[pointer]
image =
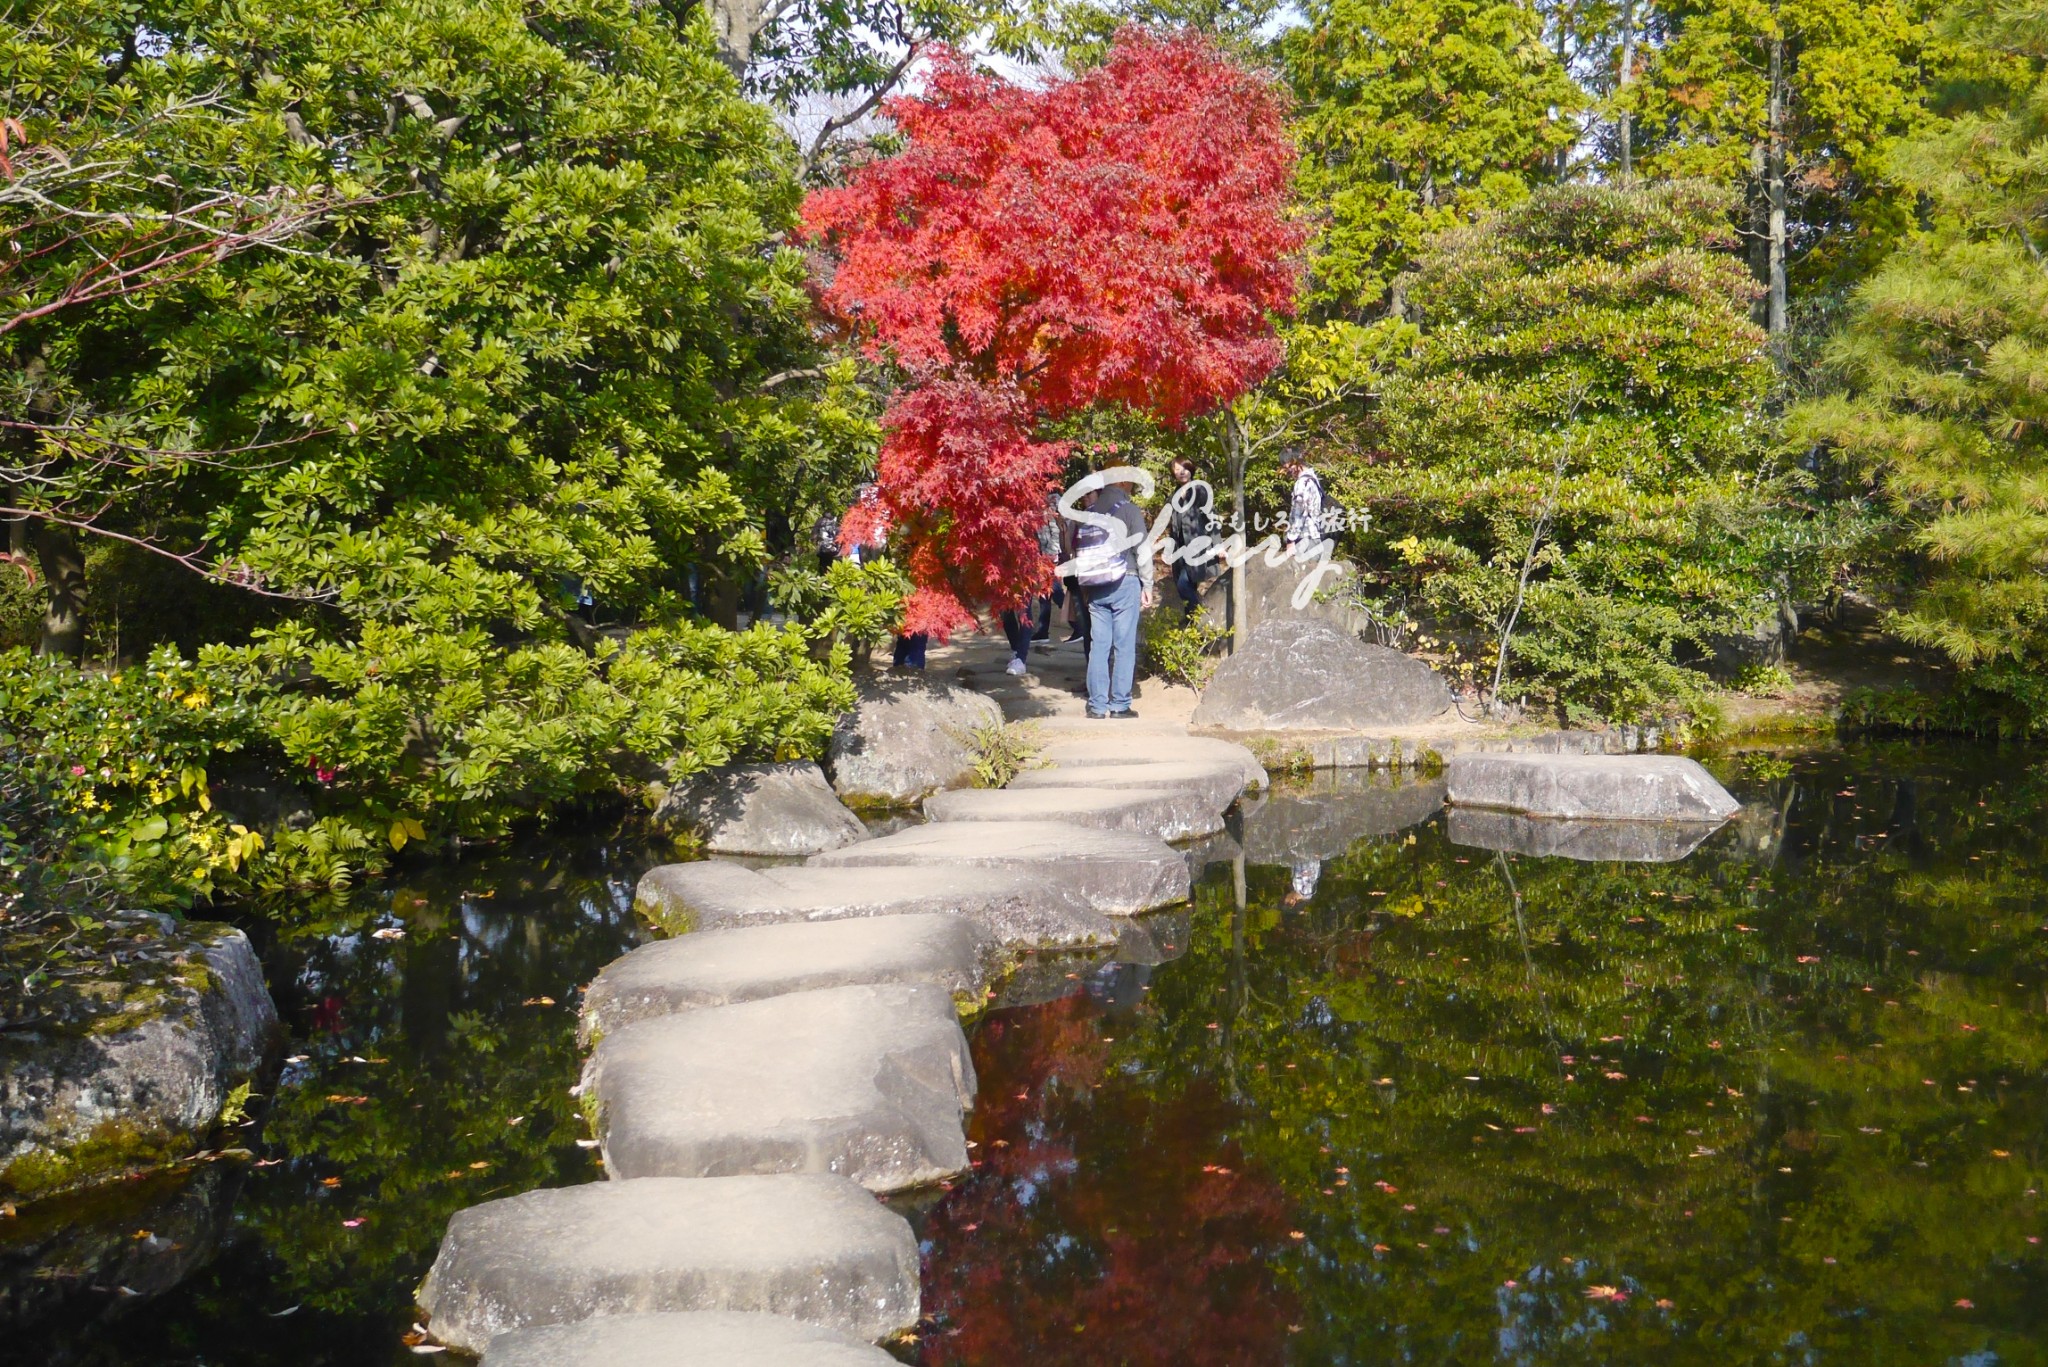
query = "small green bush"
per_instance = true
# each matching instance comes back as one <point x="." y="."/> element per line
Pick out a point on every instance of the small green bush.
<point x="1003" y="750"/>
<point x="1182" y="652"/>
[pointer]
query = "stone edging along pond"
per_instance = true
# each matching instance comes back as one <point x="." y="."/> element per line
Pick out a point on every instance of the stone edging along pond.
<point x="796" y="1051"/>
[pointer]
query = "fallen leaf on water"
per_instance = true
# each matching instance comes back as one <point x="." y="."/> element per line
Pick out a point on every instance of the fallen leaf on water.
<point x="1605" y="1293"/>
<point x="356" y="1223"/>
<point x="2000" y="1153"/>
<point x="538" y="1001"/>
<point x="330" y="1181"/>
<point x="1296" y="1234"/>
<point x="388" y="933"/>
<point x="1965" y="1303"/>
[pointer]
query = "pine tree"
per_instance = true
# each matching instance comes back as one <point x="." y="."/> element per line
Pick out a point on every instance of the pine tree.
<point x="1945" y="365"/>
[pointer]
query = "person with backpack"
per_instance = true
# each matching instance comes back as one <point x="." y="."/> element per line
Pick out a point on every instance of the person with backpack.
<point x="1118" y="583"/>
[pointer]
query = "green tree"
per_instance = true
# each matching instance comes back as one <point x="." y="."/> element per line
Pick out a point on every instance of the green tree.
<point x="1572" y="470"/>
<point x="1793" y="102"/>
<point x="1944" y="365"/>
<point x="1414" y="118"/>
<point x="472" y="434"/>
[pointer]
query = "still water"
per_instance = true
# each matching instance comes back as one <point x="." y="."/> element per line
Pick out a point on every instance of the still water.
<point x="1399" y="1097"/>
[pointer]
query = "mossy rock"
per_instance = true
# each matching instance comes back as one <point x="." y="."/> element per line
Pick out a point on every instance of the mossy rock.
<point x="124" y="1057"/>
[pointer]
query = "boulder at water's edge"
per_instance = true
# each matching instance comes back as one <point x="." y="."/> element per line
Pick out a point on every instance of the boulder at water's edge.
<point x="1301" y="674"/>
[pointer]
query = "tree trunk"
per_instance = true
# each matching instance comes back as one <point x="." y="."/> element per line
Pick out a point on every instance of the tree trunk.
<point x="1774" y="193"/>
<point x="63" y="564"/>
<point x="1625" y="123"/>
<point x="1240" y="606"/>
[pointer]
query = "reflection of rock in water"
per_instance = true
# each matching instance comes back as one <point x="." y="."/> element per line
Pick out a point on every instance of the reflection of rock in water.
<point x="1220" y="848"/>
<point x="1156" y="939"/>
<point x="65" y="1263"/>
<point x="1634" y="842"/>
<point x="1046" y="977"/>
<point x="1326" y="815"/>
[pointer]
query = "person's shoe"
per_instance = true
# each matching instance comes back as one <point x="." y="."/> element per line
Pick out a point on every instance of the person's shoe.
<point x="1073" y="638"/>
<point x="1015" y="666"/>
<point x="1045" y="635"/>
<point x="1093" y="715"/>
<point x="1126" y="715"/>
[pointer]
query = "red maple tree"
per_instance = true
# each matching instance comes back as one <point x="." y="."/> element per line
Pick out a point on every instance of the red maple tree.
<point x="1121" y="237"/>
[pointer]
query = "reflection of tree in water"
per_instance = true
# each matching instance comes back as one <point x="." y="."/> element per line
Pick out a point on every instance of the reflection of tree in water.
<point x="1785" y="1098"/>
<point x="436" y="1073"/>
<point x="1156" y="1246"/>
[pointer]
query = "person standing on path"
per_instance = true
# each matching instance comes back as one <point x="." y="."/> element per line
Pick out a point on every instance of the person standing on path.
<point x="1193" y="524"/>
<point x="1118" y="583"/>
<point x="1033" y="620"/>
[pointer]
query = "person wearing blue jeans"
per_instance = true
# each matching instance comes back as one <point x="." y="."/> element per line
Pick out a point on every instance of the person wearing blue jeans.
<point x="1119" y="585"/>
<point x="1113" y="646"/>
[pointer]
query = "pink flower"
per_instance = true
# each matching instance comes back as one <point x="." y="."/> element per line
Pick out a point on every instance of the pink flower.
<point x="78" y="771"/>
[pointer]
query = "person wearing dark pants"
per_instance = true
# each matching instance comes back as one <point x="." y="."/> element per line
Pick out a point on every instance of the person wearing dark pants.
<point x="909" y="652"/>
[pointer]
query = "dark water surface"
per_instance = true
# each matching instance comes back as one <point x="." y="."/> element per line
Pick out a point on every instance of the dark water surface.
<point x="1780" y="1102"/>
<point x="1399" y="1100"/>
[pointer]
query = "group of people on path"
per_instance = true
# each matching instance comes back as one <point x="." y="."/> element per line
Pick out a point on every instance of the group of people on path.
<point x="1111" y="584"/>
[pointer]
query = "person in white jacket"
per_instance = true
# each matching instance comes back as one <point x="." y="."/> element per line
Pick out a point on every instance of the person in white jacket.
<point x="1305" y="509"/>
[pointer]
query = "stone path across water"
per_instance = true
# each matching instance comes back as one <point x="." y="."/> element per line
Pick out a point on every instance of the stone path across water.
<point x="868" y="1081"/>
<point x="799" y="1041"/>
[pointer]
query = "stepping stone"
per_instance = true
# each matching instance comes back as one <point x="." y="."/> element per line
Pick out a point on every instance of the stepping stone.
<point x="1616" y="842"/>
<point x="1120" y="748"/>
<point x="1590" y="787"/>
<point x="721" y="967"/>
<point x="1116" y="872"/>
<point x="868" y="1082"/>
<point x="708" y="1338"/>
<point x="1306" y="675"/>
<point x="813" y="1248"/>
<point x="1165" y="814"/>
<point x="1020" y="910"/>
<point x="1215" y="783"/>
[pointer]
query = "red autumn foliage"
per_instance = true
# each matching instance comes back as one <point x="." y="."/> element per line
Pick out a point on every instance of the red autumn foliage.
<point x="940" y="438"/>
<point x="1145" y="1253"/>
<point x="1120" y="237"/>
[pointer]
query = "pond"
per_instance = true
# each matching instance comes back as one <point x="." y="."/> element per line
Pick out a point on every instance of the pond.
<point x="1397" y="1098"/>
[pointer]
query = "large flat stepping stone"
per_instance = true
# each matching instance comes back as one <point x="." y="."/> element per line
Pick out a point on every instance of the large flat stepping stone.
<point x="1117" y="873"/>
<point x="1216" y="783"/>
<point x="707" y="1338"/>
<point x="1590" y="787"/>
<point x="762" y="809"/>
<point x="1116" y="747"/>
<point x="814" y="1248"/>
<point x="1604" y="842"/>
<point x="1017" y="908"/>
<point x="868" y="1082"/>
<point x="1163" y="813"/>
<point x="721" y="967"/>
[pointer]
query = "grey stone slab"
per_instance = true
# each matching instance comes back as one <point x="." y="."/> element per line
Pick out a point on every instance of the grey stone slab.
<point x="907" y="736"/>
<point x="1118" y="747"/>
<point x="1116" y="872"/>
<point x="1214" y="783"/>
<point x="814" y="1248"/>
<point x="1324" y="817"/>
<point x="1019" y="909"/>
<point x="867" y="1082"/>
<point x="1163" y="813"/>
<point x="1303" y="674"/>
<point x="762" y="809"/>
<point x="1623" y="842"/>
<point x="708" y="1338"/>
<point x="1599" y="788"/>
<point x="721" y="967"/>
